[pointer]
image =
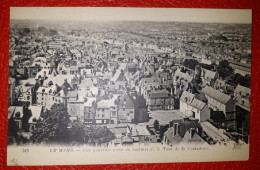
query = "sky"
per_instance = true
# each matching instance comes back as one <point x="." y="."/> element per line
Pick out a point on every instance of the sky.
<point x="132" y="14"/>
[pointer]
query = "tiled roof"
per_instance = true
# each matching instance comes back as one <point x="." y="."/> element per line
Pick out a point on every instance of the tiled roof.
<point x="104" y="104"/>
<point x="178" y="74"/>
<point x="217" y="95"/>
<point x="209" y="74"/>
<point x="187" y="97"/>
<point x="243" y="90"/>
<point x="159" y="94"/>
<point x="197" y="104"/>
<point x="15" y="109"/>
<point x="72" y="94"/>
<point x="188" y="137"/>
<point x="126" y="101"/>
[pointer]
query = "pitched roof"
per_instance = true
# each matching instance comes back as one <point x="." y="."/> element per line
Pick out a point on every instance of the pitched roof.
<point x="159" y="94"/>
<point x="171" y="138"/>
<point x="197" y="104"/>
<point x="217" y="95"/>
<point x="126" y="100"/>
<point x="187" y="97"/>
<point x="104" y="104"/>
<point x="86" y="83"/>
<point x="185" y="125"/>
<point x="209" y="74"/>
<point x="213" y="132"/>
<point x="89" y="101"/>
<point x="12" y="110"/>
<point x="72" y="94"/>
<point x="36" y="113"/>
<point x="189" y="137"/>
<point x="178" y="74"/>
<point x="11" y="80"/>
<point x="243" y="90"/>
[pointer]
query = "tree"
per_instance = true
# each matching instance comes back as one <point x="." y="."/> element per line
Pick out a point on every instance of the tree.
<point x="53" y="128"/>
<point x="99" y="134"/>
<point x="190" y="63"/>
<point x="237" y="78"/>
<point x="77" y="133"/>
<point x="156" y="125"/>
<point x="224" y="70"/>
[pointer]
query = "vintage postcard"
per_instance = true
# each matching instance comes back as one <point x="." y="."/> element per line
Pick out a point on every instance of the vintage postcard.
<point x="128" y="85"/>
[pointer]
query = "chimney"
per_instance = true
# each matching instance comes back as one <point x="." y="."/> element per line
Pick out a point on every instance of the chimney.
<point x="176" y="129"/>
<point x="192" y="132"/>
<point x="172" y="91"/>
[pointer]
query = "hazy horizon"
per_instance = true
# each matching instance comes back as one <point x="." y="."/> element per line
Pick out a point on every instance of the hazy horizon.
<point x="110" y="14"/>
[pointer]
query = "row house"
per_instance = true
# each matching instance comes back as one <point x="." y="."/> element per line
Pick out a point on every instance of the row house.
<point x="26" y="93"/>
<point x="160" y="100"/>
<point x="192" y="107"/>
<point x="219" y="101"/>
<point x="11" y="91"/>
<point x="90" y="110"/>
<point x="36" y="112"/>
<point x="208" y="77"/>
<point x="75" y="105"/>
<point x="242" y="97"/>
<point x="47" y="96"/>
<point x="181" y="82"/>
<point x="240" y="68"/>
<point x="183" y="131"/>
<point x="106" y="112"/>
<point x="125" y="108"/>
<point x="146" y="85"/>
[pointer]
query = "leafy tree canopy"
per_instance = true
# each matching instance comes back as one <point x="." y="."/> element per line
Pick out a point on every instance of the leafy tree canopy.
<point x="224" y="70"/>
<point x="53" y="128"/>
<point x="190" y="63"/>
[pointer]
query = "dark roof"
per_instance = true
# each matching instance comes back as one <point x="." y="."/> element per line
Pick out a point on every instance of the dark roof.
<point x="184" y="125"/>
<point x="159" y="94"/>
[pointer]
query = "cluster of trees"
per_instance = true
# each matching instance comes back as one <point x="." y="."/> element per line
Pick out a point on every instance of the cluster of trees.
<point x="47" y="32"/>
<point x="191" y="63"/>
<point x="54" y="129"/>
<point x="236" y="79"/>
<point x="25" y="32"/>
<point x="218" y="38"/>
<point x="224" y="70"/>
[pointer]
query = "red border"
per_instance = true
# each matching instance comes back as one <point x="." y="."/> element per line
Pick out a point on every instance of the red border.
<point x="254" y="160"/>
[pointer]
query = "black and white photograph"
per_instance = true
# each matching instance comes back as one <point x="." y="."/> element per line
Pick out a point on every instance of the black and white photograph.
<point x="128" y="82"/>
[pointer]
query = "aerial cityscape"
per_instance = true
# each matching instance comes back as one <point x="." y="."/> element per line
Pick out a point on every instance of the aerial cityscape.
<point x="128" y="82"/>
